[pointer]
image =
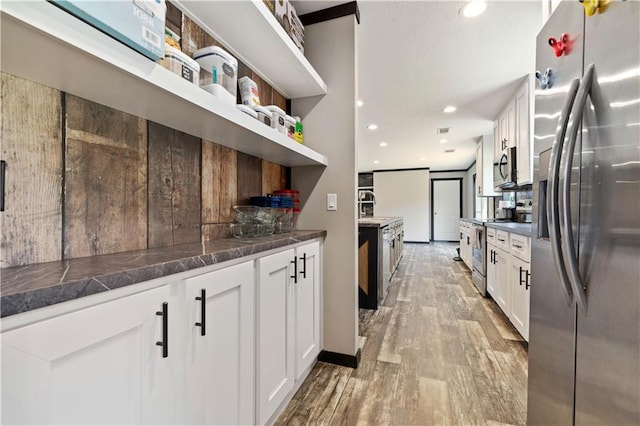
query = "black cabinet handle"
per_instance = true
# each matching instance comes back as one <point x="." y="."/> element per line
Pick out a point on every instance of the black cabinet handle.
<point x="520" y="275"/>
<point x="295" y="269"/>
<point x="304" y="265"/>
<point x="461" y="235"/>
<point x="527" y="283"/>
<point x="203" y="312"/>
<point x="517" y="246"/>
<point x="3" y="168"/>
<point x="164" y="313"/>
<point x="468" y="240"/>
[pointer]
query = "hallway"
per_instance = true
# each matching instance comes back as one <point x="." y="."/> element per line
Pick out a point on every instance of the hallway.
<point x="436" y="353"/>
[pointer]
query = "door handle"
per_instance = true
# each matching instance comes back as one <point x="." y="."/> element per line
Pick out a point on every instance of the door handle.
<point x="203" y="312"/>
<point x="520" y="275"/>
<point x="164" y="313"/>
<point x="552" y="191"/>
<point x="295" y="269"/>
<point x="566" y="227"/>
<point x="527" y="283"/>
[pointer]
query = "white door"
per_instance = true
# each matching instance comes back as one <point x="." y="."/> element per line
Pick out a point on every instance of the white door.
<point x="502" y="294"/>
<point x="307" y="307"/>
<point x="220" y="348"/>
<point x="98" y="365"/>
<point x="275" y="332"/>
<point x="446" y="209"/>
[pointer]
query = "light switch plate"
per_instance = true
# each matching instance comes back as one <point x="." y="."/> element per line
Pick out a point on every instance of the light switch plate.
<point x="332" y="202"/>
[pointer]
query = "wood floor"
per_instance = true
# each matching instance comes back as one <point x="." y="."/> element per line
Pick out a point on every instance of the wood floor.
<point x="436" y="353"/>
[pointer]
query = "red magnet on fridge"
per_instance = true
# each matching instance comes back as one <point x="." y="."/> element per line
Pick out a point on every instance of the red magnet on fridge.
<point x="562" y="46"/>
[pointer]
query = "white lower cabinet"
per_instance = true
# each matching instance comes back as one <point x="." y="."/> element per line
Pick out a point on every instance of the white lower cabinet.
<point x="492" y="277"/>
<point x="498" y="278"/>
<point x="288" y="325"/>
<point x="97" y="365"/>
<point x="219" y="361"/>
<point x="520" y="278"/>
<point x="214" y="346"/>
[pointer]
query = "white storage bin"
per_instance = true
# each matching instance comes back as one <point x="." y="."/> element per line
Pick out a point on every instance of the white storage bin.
<point x="290" y="124"/>
<point x="247" y="110"/>
<point x="278" y="119"/>
<point x="249" y="93"/>
<point x="219" y="72"/>
<point x="179" y="63"/>
<point x="264" y="115"/>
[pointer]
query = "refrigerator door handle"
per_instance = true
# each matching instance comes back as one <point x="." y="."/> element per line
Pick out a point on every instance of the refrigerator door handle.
<point x="553" y="191"/>
<point x="568" y="248"/>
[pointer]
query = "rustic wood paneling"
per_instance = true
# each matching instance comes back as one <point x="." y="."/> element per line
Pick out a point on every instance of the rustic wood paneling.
<point x="211" y="181"/>
<point x="105" y="180"/>
<point x="31" y="136"/>
<point x="271" y="177"/>
<point x="228" y="183"/>
<point x="363" y="267"/>
<point x="194" y="37"/>
<point x="174" y="187"/>
<point x="174" y="19"/>
<point x="249" y="177"/>
<point x="279" y="100"/>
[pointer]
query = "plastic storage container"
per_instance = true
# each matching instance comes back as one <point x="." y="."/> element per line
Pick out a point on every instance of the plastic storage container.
<point x="247" y="110"/>
<point x="264" y="115"/>
<point x="299" y="134"/>
<point x="218" y="72"/>
<point x="249" y="93"/>
<point x="179" y="63"/>
<point x="278" y="119"/>
<point x="290" y="124"/>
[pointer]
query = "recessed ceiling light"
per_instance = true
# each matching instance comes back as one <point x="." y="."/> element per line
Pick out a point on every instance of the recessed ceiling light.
<point x="375" y="162"/>
<point x="372" y="126"/>
<point x="422" y="159"/>
<point x="443" y="141"/>
<point x="359" y="103"/>
<point x="383" y="144"/>
<point x="473" y="8"/>
<point x="450" y="109"/>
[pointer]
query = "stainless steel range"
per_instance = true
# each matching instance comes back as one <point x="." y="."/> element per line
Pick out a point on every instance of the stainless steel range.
<point x="479" y="263"/>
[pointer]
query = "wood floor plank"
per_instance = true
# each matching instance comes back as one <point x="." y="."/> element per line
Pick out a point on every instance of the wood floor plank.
<point x="431" y="355"/>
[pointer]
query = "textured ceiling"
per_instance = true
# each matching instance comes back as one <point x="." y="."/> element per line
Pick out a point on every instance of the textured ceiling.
<point x="416" y="57"/>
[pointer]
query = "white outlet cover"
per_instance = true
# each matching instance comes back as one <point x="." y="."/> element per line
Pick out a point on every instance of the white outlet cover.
<point x="332" y="202"/>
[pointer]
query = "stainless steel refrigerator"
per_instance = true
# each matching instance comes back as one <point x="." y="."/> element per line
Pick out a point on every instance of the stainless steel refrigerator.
<point x="584" y="339"/>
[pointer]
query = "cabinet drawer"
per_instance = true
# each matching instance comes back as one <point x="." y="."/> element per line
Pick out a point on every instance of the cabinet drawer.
<point x="502" y="239"/>
<point x="491" y="236"/>
<point x="520" y="247"/>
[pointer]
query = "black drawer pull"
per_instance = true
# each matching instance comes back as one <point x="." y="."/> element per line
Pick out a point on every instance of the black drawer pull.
<point x="203" y="312"/>
<point x="164" y="313"/>
<point x="3" y="168"/>
<point x="527" y="283"/>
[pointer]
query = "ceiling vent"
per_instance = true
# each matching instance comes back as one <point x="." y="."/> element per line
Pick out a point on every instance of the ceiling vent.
<point x="443" y="130"/>
<point x="449" y="150"/>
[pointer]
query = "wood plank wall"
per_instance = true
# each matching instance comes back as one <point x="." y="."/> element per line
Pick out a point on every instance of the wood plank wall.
<point x="83" y="179"/>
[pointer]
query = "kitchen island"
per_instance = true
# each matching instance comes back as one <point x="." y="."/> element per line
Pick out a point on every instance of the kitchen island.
<point x="380" y="243"/>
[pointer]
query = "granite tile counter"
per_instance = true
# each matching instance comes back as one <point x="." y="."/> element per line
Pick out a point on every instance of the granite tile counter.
<point x="24" y="288"/>
<point x="377" y="222"/>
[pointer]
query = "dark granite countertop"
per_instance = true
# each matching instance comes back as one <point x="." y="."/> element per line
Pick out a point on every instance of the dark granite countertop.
<point x="377" y="222"/>
<point x="24" y="288"/>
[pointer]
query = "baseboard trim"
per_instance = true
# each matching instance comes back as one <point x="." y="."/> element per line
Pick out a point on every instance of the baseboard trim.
<point x="344" y="360"/>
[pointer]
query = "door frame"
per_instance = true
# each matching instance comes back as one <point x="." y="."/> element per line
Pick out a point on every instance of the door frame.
<point x="431" y="205"/>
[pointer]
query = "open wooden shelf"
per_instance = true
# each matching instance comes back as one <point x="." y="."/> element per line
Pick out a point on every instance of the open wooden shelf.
<point x="45" y="44"/>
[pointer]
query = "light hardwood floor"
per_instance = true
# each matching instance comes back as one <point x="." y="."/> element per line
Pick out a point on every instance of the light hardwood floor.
<point x="436" y="353"/>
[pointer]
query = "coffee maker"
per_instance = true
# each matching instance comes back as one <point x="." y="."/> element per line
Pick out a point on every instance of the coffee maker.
<point x="524" y="210"/>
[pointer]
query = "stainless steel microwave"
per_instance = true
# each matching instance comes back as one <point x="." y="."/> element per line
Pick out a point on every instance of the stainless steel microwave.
<point x="504" y="169"/>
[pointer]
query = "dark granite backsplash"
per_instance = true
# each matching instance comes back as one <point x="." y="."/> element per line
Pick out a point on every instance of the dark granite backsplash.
<point x="25" y="288"/>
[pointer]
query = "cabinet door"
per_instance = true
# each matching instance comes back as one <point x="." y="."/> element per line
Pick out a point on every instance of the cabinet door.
<point x="219" y="369"/>
<point x="275" y="331"/>
<point x="479" y="170"/>
<point x="502" y="288"/>
<point x="510" y="113"/>
<point x="491" y="271"/>
<point x="98" y="365"/>
<point x="307" y="307"/>
<point x="497" y="137"/>
<point x="524" y="153"/>
<point x="519" y="283"/>
<point x="503" y="122"/>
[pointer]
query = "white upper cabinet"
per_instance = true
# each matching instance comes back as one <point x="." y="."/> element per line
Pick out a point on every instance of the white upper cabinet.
<point x="524" y="132"/>
<point x="484" y="167"/>
<point x="42" y="43"/>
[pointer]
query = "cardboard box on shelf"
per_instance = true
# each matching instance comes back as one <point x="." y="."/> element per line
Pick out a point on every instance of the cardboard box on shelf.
<point x="286" y="14"/>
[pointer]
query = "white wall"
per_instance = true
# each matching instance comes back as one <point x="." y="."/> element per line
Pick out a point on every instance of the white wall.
<point x="405" y="194"/>
<point x="330" y="128"/>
